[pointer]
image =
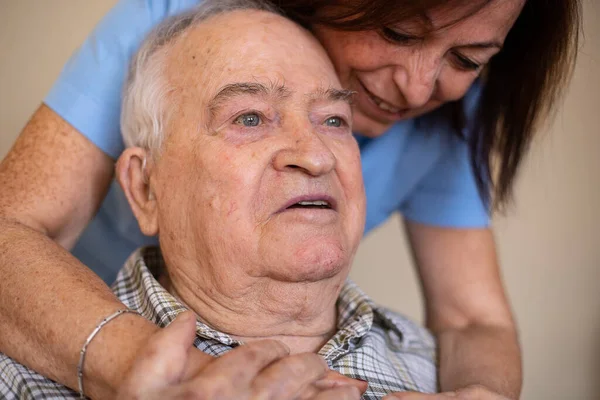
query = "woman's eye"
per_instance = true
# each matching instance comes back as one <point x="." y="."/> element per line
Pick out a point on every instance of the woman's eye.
<point x="465" y="63"/>
<point x="335" y="122"/>
<point x="398" y="37"/>
<point x="249" y="120"/>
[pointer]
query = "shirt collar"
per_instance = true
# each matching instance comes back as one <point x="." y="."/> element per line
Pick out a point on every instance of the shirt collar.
<point x="140" y="272"/>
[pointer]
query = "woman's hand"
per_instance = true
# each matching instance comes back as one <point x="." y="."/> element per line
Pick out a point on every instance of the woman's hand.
<point x="261" y="369"/>
<point x="473" y="392"/>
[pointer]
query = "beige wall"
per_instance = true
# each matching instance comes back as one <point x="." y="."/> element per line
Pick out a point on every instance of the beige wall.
<point x="548" y="243"/>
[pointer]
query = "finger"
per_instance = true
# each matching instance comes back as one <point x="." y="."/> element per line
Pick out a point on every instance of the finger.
<point x="163" y="360"/>
<point x="419" y="396"/>
<point x="476" y="392"/>
<point x="241" y="365"/>
<point x="340" y="393"/>
<point x="196" y="361"/>
<point x="288" y="377"/>
<point x="334" y="379"/>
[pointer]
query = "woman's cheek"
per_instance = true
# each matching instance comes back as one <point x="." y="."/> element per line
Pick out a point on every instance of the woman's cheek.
<point x="453" y="85"/>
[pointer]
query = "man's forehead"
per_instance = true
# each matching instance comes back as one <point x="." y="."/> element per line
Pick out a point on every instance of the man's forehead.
<point x="217" y="62"/>
<point x="239" y="37"/>
<point x="235" y="30"/>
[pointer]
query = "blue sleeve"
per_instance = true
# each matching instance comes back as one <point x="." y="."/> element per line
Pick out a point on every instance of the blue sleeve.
<point x="448" y="195"/>
<point x="87" y="93"/>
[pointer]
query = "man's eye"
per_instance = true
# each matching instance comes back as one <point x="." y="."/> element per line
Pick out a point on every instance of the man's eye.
<point x="335" y="122"/>
<point x="249" y="120"/>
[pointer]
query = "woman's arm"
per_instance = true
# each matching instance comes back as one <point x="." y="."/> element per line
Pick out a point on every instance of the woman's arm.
<point x="52" y="182"/>
<point x="467" y="309"/>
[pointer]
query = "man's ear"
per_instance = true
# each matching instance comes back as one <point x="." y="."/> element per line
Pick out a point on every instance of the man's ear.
<point x="133" y="175"/>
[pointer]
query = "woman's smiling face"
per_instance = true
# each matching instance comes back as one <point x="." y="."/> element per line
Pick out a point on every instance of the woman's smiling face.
<point x="411" y="68"/>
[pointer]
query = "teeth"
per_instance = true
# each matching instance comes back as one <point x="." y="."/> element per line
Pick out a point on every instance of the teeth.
<point x="383" y="105"/>
<point x="313" y="203"/>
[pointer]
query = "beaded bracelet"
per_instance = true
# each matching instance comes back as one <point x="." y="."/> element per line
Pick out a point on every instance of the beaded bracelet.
<point x="89" y="339"/>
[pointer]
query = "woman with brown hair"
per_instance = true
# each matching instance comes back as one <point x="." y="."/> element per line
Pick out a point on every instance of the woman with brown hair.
<point x="448" y="97"/>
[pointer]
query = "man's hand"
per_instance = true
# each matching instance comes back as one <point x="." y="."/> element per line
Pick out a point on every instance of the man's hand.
<point x="473" y="392"/>
<point x="260" y="370"/>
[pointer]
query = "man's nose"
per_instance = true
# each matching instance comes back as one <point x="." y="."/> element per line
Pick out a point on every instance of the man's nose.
<point x="306" y="152"/>
<point x="416" y="80"/>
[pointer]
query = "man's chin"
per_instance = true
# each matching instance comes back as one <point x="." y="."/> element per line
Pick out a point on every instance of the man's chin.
<point x="312" y="261"/>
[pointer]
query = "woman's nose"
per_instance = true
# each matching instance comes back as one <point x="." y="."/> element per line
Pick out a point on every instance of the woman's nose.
<point x="306" y="152"/>
<point x="416" y="80"/>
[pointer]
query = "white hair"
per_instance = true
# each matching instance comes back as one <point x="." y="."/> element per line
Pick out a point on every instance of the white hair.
<point x="144" y="111"/>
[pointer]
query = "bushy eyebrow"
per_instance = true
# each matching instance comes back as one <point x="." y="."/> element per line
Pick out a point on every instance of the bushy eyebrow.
<point x="278" y="91"/>
<point x="332" y="94"/>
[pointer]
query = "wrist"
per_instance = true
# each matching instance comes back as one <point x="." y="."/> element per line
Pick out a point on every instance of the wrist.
<point x="111" y="353"/>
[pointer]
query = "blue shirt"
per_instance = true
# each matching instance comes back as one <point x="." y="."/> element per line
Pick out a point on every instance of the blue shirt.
<point x="419" y="167"/>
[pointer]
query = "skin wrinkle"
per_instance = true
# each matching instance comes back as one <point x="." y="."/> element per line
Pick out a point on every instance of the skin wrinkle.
<point x="246" y="269"/>
<point x="276" y="91"/>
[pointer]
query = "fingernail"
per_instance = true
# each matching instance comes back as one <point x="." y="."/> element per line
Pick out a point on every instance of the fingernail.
<point x="365" y="385"/>
<point x="325" y="384"/>
<point x="185" y="315"/>
<point x="355" y="392"/>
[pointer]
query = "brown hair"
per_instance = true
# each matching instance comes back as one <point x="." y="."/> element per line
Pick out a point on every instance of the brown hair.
<point x="521" y="84"/>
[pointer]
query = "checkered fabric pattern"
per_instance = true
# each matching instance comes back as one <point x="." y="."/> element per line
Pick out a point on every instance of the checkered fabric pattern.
<point x="372" y="343"/>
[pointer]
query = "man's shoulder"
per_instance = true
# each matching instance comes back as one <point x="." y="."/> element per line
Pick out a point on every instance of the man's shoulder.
<point x="19" y="382"/>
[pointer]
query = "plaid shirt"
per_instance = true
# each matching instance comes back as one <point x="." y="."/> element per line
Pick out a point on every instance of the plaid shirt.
<point x="372" y="343"/>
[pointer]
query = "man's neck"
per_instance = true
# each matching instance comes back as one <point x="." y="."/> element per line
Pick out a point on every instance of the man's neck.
<point x="301" y="315"/>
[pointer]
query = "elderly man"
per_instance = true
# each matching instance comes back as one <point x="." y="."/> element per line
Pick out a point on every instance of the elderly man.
<point x="241" y="159"/>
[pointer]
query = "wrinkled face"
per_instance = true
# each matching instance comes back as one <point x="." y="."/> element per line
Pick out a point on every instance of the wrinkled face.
<point x="260" y="172"/>
<point x="409" y="69"/>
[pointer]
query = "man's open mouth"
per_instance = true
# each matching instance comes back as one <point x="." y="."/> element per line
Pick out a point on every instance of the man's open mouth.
<point x="319" y="204"/>
<point x="310" y="202"/>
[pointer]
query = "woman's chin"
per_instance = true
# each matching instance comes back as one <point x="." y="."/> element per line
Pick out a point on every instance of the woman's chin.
<point x="368" y="127"/>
